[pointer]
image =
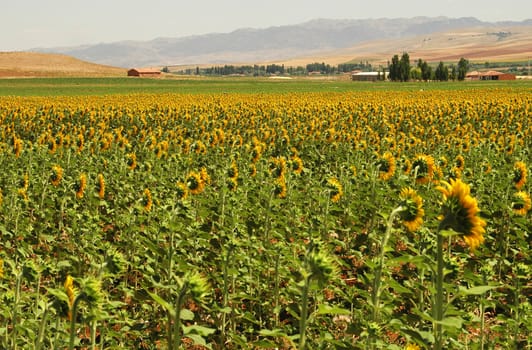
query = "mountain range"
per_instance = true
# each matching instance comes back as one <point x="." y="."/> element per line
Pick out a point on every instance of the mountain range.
<point x="281" y="43"/>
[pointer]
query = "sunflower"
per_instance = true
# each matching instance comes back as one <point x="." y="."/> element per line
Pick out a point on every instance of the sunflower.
<point x="57" y="175"/>
<point x="194" y="183"/>
<point x="148" y="202"/>
<point x="460" y="212"/>
<point x="233" y="170"/>
<point x="413" y="213"/>
<point x="423" y="168"/>
<point x="80" y="190"/>
<point x="520" y="173"/>
<point x="232" y="183"/>
<point x="181" y="190"/>
<point x="252" y="170"/>
<point x="386" y="166"/>
<point x="101" y="186"/>
<point x="459" y="162"/>
<point x="412" y="347"/>
<point x="336" y="190"/>
<point x="522" y="203"/>
<point x="280" y="187"/>
<point x="278" y="166"/>
<point x="205" y="176"/>
<point x="71" y="293"/>
<point x="132" y="161"/>
<point x="1" y="268"/>
<point x="297" y="165"/>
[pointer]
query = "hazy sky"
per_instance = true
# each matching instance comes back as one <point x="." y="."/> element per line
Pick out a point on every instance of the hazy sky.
<point x="26" y="24"/>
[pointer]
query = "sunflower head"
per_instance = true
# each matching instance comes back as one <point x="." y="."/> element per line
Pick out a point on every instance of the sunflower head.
<point x="386" y="166"/>
<point x="194" y="183"/>
<point x="80" y="187"/>
<point x="522" y="203"/>
<point x="460" y="212"/>
<point x="181" y="190"/>
<point x="519" y="174"/>
<point x="423" y="168"/>
<point x="57" y="175"/>
<point x="280" y="187"/>
<point x="100" y="188"/>
<point x="412" y="215"/>
<point x="147" y="200"/>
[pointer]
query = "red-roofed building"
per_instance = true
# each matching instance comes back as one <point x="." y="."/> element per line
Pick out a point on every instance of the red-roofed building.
<point x="143" y="72"/>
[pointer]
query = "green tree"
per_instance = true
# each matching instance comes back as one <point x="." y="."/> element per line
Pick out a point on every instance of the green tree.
<point x="463" y="67"/>
<point x="404" y="67"/>
<point x="426" y="70"/>
<point x="395" y="70"/>
<point x="442" y="72"/>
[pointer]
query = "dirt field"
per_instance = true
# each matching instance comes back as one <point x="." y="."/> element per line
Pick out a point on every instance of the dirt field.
<point x="32" y="64"/>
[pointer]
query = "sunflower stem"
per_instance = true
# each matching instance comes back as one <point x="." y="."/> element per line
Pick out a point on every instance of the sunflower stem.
<point x="375" y="293"/>
<point x="438" y="309"/>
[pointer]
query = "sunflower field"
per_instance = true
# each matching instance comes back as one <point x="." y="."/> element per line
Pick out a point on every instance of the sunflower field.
<point x="367" y="220"/>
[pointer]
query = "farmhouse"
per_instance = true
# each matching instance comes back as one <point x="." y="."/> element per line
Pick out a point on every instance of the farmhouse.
<point x="494" y="75"/>
<point x="489" y="75"/>
<point x="366" y="76"/>
<point x="143" y="72"/>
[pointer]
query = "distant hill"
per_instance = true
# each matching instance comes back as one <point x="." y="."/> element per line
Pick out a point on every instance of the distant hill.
<point x="270" y="44"/>
<point x="34" y="64"/>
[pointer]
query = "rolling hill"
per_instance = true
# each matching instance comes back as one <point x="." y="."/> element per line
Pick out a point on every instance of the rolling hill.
<point x="34" y="64"/>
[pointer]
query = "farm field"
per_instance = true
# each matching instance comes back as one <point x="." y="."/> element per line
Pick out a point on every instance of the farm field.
<point x="256" y="214"/>
<point x="109" y="86"/>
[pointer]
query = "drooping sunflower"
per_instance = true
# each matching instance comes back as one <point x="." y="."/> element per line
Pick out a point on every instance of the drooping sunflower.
<point x="460" y="212"/>
<point x="413" y="213"/>
<point x="278" y="166"/>
<point x="519" y="174"/>
<point x="521" y="203"/>
<point x="71" y="293"/>
<point x="80" y="187"/>
<point x="386" y="166"/>
<point x="57" y="175"/>
<point x="100" y="187"/>
<point x="336" y="189"/>
<point x="1" y="268"/>
<point x="423" y="168"/>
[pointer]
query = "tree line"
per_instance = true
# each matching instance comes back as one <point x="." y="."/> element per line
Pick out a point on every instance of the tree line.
<point x="276" y="69"/>
<point x="400" y="69"/>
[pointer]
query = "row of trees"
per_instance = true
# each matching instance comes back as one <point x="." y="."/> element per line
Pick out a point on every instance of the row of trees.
<point x="272" y="69"/>
<point x="400" y="70"/>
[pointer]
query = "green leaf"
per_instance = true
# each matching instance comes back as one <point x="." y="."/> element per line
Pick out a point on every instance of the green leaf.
<point x="448" y="233"/>
<point x="265" y="344"/>
<point x="198" y="340"/>
<point x="455" y="322"/>
<point x="186" y="315"/>
<point x="196" y="329"/>
<point x="163" y="303"/>
<point x="324" y="309"/>
<point x="272" y="333"/>
<point x="476" y="290"/>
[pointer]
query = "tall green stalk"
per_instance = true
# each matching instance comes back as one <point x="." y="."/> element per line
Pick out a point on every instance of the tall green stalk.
<point x="304" y="313"/>
<point x="438" y="307"/>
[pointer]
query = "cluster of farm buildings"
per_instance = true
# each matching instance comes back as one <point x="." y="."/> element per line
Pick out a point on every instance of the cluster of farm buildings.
<point x="489" y="75"/>
<point x="356" y="76"/>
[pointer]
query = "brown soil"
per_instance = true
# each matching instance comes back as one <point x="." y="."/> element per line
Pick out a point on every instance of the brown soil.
<point x="33" y="64"/>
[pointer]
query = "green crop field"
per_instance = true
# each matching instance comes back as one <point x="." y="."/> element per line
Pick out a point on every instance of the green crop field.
<point x="105" y="86"/>
<point x="239" y="213"/>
